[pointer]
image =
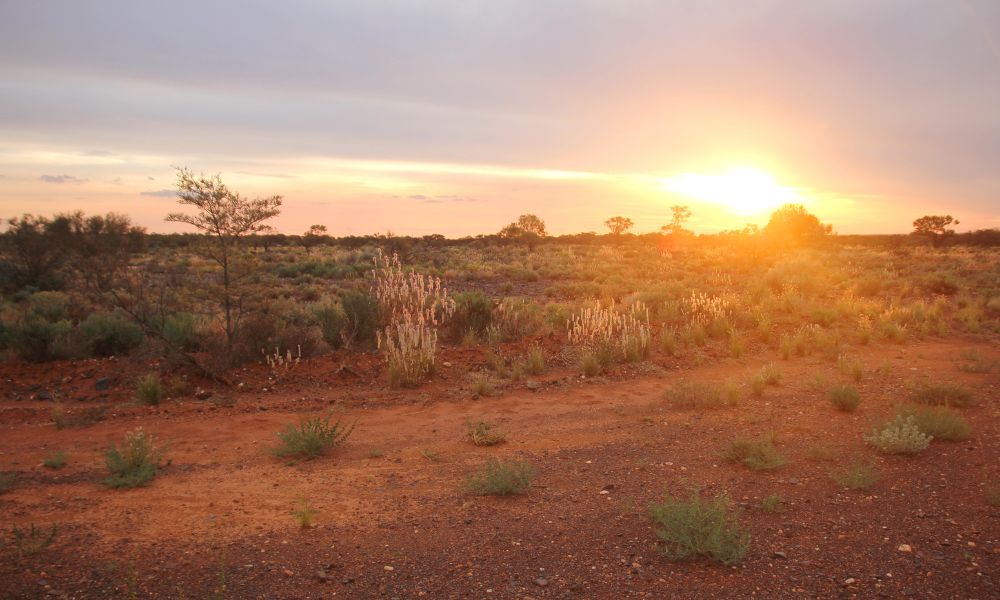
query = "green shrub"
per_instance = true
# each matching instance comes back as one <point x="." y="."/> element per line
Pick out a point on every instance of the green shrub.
<point x="534" y="363"/>
<point x="482" y="433"/>
<point x="109" y="334"/>
<point x="37" y="340"/>
<point x="361" y="314"/>
<point x="135" y="463"/>
<point x="844" y="397"/>
<point x="304" y="513"/>
<point x="501" y="477"/>
<point x="758" y="455"/>
<point x="699" y="528"/>
<point x="898" y="436"/>
<point x="7" y="481"/>
<point x="938" y="422"/>
<point x="943" y="394"/>
<point x="772" y="504"/>
<point x="312" y="438"/>
<point x="473" y="313"/>
<point x="696" y="395"/>
<point x="55" y="460"/>
<point x="332" y="322"/>
<point x="180" y="330"/>
<point x="148" y="389"/>
<point x="856" y="476"/>
<point x="49" y="306"/>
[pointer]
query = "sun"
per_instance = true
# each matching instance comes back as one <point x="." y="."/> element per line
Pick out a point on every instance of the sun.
<point x="745" y="191"/>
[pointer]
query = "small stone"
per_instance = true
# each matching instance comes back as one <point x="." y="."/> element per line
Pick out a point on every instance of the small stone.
<point x="287" y="573"/>
<point x="779" y="554"/>
<point x="850" y="581"/>
<point x="322" y="576"/>
<point x="44" y="396"/>
<point x="388" y="568"/>
<point x="905" y="548"/>
<point x="202" y="394"/>
<point x="446" y="363"/>
<point x="541" y="582"/>
<point x="531" y="384"/>
<point x="102" y="384"/>
<point x="604" y="492"/>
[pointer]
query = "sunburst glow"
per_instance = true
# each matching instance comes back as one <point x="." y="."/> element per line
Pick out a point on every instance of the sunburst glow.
<point x="744" y="191"/>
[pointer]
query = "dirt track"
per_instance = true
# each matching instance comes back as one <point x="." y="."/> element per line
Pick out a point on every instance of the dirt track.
<point x="224" y="504"/>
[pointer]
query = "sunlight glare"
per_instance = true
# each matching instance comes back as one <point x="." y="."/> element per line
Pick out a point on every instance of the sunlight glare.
<point x="745" y="191"/>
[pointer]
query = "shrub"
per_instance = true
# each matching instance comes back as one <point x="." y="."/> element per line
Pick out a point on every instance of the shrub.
<point x="844" y="397"/>
<point x="854" y="368"/>
<point x="473" y="313"/>
<point x="758" y="455"/>
<point x="943" y="394"/>
<point x="37" y="340"/>
<point x="32" y="540"/>
<point x="148" y="389"/>
<point x="501" y="477"/>
<point x="856" y="476"/>
<point x="49" y="306"/>
<point x="409" y="349"/>
<point x="135" y="463"/>
<point x="625" y="333"/>
<point x="758" y="385"/>
<point x="697" y="527"/>
<point x="482" y="386"/>
<point x="770" y="374"/>
<point x="772" y="504"/>
<point x="108" y="334"/>
<point x="332" y="322"/>
<point x="482" y="433"/>
<point x="180" y="330"/>
<point x="695" y="395"/>
<point x="312" y="438"/>
<point x="534" y="363"/>
<point x="7" y="481"/>
<point x="590" y="364"/>
<point x="304" y="513"/>
<point x="938" y="422"/>
<point x="55" y="460"/>
<point x="361" y="315"/>
<point x="899" y="436"/>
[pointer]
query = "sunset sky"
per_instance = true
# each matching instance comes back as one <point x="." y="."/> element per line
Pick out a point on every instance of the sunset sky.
<point x="456" y="117"/>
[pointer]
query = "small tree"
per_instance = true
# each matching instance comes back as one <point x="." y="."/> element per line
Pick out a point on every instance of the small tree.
<point x="793" y="224"/>
<point x="313" y="236"/>
<point x="681" y="215"/>
<point x="618" y="225"/>
<point x="37" y="249"/>
<point x="226" y="219"/>
<point x="527" y="228"/>
<point x="934" y="227"/>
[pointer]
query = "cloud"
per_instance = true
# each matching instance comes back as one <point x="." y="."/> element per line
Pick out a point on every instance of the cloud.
<point x="160" y="193"/>
<point x="439" y="199"/>
<point x="61" y="179"/>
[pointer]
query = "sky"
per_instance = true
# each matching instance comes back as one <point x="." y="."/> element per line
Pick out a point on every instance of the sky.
<point x="455" y="117"/>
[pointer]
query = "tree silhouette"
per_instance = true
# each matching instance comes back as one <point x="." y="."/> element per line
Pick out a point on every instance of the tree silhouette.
<point x="934" y="227"/>
<point x="618" y="225"/>
<point x="793" y="224"/>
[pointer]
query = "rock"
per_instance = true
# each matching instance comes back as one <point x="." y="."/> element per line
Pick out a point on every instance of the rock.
<point x="541" y="582"/>
<point x="322" y="576"/>
<point x="287" y="573"/>
<point x="531" y="384"/>
<point x="446" y="364"/>
<point x="905" y="548"/>
<point x="202" y="394"/>
<point x="779" y="554"/>
<point x="44" y="396"/>
<point x="850" y="581"/>
<point x="102" y="384"/>
<point x="347" y="580"/>
<point x="388" y="568"/>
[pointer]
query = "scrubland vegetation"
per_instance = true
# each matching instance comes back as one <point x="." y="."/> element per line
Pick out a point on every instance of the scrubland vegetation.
<point x="728" y="337"/>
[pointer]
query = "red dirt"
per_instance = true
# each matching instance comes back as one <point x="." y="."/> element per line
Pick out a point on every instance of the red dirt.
<point x="224" y="504"/>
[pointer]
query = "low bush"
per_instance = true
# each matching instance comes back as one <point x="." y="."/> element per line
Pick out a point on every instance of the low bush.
<point x="38" y="340"/>
<point x="331" y="321"/>
<point x="772" y="504"/>
<point x="312" y="438"/>
<point x="148" y="389"/>
<point x="696" y="395"/>
<point x="482" y="433"/>
<point x="700" y="528"/>
<point x="180" y="330"/>
<point x="109" y="334"/>
<point x="938" y="422"/>
<point x="135" y="463"/>
<point x="501" y="477"/>
<point x="844" y="397"/>
<point x="856" y="476"/>
<point x="7" y="481"/>
<point x="473" y="313"/>
<point x="758" y="455"/>
<point x="361" y="314"/>
<point x="534" y="362"/>
<point x="55" y="460"/>
<point x="942" y="394"/>
<point x="898" y="436"/>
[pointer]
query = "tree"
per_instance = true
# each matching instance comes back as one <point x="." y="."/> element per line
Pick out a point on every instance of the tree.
<point x="37" y="249"/>
<point x="792" y="224"/>
<point x="313" y="236"/>
<point x="226" y="219"/>
<point x="934" y="227"/>
<point x="527" y="228"/>
<point x="618" y="225"/>
<point x="681" y="215"/>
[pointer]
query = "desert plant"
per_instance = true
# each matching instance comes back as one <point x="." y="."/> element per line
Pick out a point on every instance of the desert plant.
<point x="770" y="374"/>
<point x="844" y="397"/>
<point x="63" y="419"/>
<point x="109" y="334"/>
<point x="135" y="463"/>
<point x="148" y="389"/>
<point x="938" y="422"/>
<point x="758" y="455"/>
<point x="856" y="476"/>
<point x="942" y="394"/>
<point x="624" y="332"/>
<point x="312" y="437"/>
<point x="696" y="395"/>
<point x="361" y="315"/>
<point x="482" y="386"/>
<point x="304" y="513"/>
<point x="772" y="504"/>
<point x="409" y="349"/>
<point x="974" y="362"/>
<point x="534" y="362"/>
<point x="7" y="481"/>
<point x="898" y="436"/>
<point x="55" y="460"/>
<point x="501" y="477"/>
<point x="993" y="495"/>
<point x="698" y="527"/>
<point x="408" y="296"/>
<point x="852" y="368"/>
<point x="32" y="540"/>
<point x="481" y="433"/>
<point x="332" y="322"/>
